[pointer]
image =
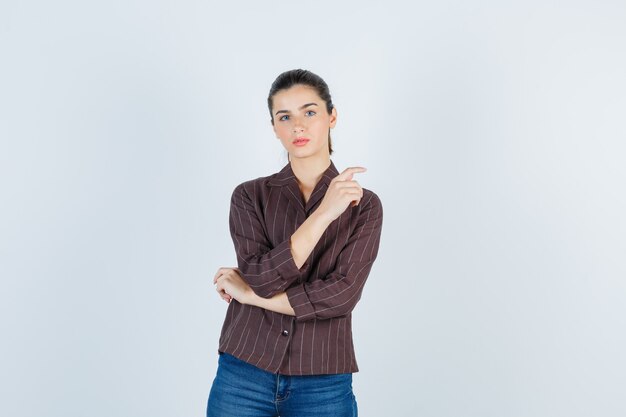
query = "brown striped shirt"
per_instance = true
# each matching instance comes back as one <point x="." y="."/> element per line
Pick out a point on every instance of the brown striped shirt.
<point x="264" y="213"/>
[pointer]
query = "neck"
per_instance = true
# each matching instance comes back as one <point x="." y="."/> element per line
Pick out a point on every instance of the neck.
<point x="308" y="171"/>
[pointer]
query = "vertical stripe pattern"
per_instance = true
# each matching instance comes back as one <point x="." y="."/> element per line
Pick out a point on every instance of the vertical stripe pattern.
<point x="264" y="213"/>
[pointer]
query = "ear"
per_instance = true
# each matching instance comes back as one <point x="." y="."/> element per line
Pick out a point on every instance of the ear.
<point x="333" y="117"/>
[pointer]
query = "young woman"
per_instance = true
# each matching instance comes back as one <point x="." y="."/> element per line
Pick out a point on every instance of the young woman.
<point x="306" y="238"/>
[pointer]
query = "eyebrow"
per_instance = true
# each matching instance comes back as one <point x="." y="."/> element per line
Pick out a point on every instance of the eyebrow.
<point x="304" y="106"/>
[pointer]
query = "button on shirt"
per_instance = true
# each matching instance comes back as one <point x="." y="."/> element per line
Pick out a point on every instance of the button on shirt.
<point x="264" y="213"/>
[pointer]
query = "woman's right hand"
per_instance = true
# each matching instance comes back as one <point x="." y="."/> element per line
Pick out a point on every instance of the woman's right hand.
<point x="342" y="191"/>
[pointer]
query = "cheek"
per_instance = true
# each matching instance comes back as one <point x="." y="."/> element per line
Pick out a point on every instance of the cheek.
<point x="281" y="130"/>
<point x="319" y="124"/>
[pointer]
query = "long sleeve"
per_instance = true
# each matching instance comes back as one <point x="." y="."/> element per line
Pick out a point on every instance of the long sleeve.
<point x="338" y="293"/>
<point x="267" y="270"/>
<point x="317" y="338"/>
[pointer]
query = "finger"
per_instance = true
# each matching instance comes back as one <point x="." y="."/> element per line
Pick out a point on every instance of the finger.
<point x="223" y="294"/>
<point x="352" y="194"/>
<point x="348" y="172"/>
<point x="221" y="271"/>
<point x="347" y="184"/>
<point x="220" y="280"/>
<point x="355" y="196"/>
<point x="348" y="190"/>
<point x="220" y="286"/>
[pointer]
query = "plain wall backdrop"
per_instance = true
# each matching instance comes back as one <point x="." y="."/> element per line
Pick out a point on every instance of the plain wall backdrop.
<point x="493" y="132"/>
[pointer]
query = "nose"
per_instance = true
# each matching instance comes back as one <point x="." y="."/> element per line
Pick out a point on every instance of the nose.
<point x="298" y="125"/>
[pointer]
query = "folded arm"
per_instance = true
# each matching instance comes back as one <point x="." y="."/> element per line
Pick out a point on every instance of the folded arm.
<point x="339" y="292"/>
<point x="270" y="271"/>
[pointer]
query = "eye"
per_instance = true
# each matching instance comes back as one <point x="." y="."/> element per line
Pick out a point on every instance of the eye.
<point x="282" y="118"/>
<point x="311" y="111"/>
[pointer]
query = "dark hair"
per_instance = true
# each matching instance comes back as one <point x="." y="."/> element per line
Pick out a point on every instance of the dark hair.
<point x="302" y="77"/>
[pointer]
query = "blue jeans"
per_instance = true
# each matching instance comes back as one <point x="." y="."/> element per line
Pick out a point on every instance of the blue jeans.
<point x="243" y="390"/>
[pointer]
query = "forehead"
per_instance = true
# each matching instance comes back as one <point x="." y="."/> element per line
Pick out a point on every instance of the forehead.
<point x="295" y="97"/>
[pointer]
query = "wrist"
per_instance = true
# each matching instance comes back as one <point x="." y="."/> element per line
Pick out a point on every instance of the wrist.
<point x="322" y="218"/>
<point x="251" y="298"/>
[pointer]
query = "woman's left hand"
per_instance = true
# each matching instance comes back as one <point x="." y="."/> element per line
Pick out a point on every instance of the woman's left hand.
<point x="230" y="284"/>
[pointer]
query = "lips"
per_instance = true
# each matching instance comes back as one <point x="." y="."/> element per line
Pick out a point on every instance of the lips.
<point x="301" y="140"/>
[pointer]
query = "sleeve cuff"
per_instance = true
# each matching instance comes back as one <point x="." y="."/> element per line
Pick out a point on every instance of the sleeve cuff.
<point x="300" y="303"/>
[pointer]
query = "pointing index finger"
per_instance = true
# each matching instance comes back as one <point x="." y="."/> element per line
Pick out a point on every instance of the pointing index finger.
<point x="348" y="172"/>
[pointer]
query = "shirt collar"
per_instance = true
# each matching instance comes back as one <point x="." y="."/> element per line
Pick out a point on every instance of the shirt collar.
<point x="286" y="176"/>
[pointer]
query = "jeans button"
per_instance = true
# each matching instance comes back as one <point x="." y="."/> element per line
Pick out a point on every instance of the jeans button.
<point x="285" y="333"/>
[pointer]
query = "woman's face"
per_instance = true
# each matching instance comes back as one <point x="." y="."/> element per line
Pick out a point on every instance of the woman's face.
<point x="299" y="112"/>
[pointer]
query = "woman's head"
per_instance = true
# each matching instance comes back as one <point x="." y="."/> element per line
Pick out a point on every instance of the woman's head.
<point x="300" y="105"/>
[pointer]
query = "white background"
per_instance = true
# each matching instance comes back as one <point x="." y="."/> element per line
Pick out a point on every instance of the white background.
<point x="493" y="132"/>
